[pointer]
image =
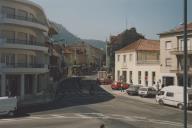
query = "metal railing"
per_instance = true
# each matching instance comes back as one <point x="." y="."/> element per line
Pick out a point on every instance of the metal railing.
<point x="18" y="41"/>
<point x="22" y="65"/>
<point x="181" y="49"/>
<point x="148" y="61"/>
<point x="24" y="18"/>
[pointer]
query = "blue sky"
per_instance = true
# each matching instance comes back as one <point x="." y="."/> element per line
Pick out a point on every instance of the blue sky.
<point x="97" y="19"/>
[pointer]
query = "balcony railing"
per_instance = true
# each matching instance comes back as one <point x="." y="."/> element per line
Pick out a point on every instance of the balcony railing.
<point x="24" y="18"/>
<point x="22" y="65"/>
<point x="148" y="62"/>
<point x="181" y="50"/>
<point x="18" y="41"/>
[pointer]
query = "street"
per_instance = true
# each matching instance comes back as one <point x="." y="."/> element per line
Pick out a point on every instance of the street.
<point x="91" y="111"/>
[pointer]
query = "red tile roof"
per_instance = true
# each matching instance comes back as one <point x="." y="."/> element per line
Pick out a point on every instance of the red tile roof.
<point x="142" y="45"/>
<point x="179" y="28"/>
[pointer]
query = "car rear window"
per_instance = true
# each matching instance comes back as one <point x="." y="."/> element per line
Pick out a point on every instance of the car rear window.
<point x="143" y="89"/>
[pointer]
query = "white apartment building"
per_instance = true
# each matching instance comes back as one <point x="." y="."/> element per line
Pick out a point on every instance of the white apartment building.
<point x="172" y="60"/>
<point x="23" y="55"/>
<point x="138" y="63"/>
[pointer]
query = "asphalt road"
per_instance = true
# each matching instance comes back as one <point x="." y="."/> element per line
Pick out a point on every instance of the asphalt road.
<point x="91" y="111"/>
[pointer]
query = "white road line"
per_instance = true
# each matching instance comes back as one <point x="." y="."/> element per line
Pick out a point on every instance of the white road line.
<point x="82" y="116"/>
<point x="96" y="116"/>
<point x="34" y="117"/>
<point x="58" y="116"/>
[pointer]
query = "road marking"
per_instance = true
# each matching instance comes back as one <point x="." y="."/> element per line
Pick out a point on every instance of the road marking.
<point x="96" y="116"/>
<point x="58" y="116"/>
<point x="82" y="116"/>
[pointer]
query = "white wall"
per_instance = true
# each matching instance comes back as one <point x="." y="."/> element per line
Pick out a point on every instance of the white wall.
<point x="134" y="67"/>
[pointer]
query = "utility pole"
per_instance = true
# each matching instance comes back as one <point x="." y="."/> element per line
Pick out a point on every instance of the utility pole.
<point x="185" y="75"/>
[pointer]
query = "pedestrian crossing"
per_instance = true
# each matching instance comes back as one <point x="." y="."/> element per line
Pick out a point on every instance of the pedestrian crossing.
<point x="86" y="116"/>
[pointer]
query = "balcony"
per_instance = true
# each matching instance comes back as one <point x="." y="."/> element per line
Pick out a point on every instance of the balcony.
<point x="180" y="70"/>
<point x="23" y="68"/>
<point x="144" y="62"/>
<point x="24" y="21"/>
<point x="22" y="44"/>
<point x="18" y="41"/>
<point x="22" y="65"/>
<point x="180" y="50"/>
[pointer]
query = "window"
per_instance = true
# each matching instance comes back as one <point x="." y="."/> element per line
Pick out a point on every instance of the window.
<point x="153" y="78"/>
<point x="118" y="58"/>
<point x="168" y="45"/>
<point x="146" y="78"/>
<point x="139" y="77"/>
<point x="124" y="58"/>
<point x="170" y="94"/>
<point x="118" y="75"/>
<point x="22" y="14"/>
<point x="8" y="12"/>
<point x="22" y="37"/>
<point x="130" y="77"/>
<point x="8" y="59"/>
<point x="22" y="60"/>
<point x="32" y="60"/>
<point x="32" y="39"/>
<point x="31" y="17"/>
<point x="181" y="45"/>
<point x="130" y="57"/>
<point x="9" y="36"/>
<point x="168" y="62"/>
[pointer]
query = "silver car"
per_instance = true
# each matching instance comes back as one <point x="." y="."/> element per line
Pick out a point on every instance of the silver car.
<point x="147" y="92"/>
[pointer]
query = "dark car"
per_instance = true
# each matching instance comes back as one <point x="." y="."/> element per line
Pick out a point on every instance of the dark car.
<point x="133" y="89"/>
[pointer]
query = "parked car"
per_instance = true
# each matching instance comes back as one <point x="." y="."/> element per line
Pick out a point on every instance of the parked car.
<point x="133" y="89"/>
<point x="8" y="105"/>
<point x="117" y="86"/>
<point x="104" y="78"/>
<point x="147" y="92"/>
<point x="173" y="95"/>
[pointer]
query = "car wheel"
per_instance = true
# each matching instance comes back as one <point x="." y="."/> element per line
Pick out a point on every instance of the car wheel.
<point x="180" y="106"/>
<point x="161" y="102"/>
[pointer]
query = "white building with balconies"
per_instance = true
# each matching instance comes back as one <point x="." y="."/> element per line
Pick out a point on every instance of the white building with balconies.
<point x="172" y="60"/>
<point x="23" y="55"/>
<point x="138" y="63"/>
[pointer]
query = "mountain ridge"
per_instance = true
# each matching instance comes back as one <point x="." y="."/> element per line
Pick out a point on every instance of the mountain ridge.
<point x="65" y="36"/>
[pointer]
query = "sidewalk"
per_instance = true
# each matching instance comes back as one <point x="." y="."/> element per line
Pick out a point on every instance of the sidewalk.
<point x="124" y="94"/>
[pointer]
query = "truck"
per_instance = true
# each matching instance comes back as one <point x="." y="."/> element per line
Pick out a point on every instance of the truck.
<point x="104" y="78"/>
<point x="173" y="95"/>
<point x="8" y="105"/>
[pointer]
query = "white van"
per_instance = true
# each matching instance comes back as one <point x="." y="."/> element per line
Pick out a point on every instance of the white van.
<point x="8" y="105"/>
<point x="173" y="95"/>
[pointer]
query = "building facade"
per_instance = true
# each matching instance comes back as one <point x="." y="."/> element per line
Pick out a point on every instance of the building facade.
<point x="172" y="60"/>
<point x="138" y="63"/>
<point x="117" y="42"/>
<point x="86" y="57"/>
<point x="24" y="57"/>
